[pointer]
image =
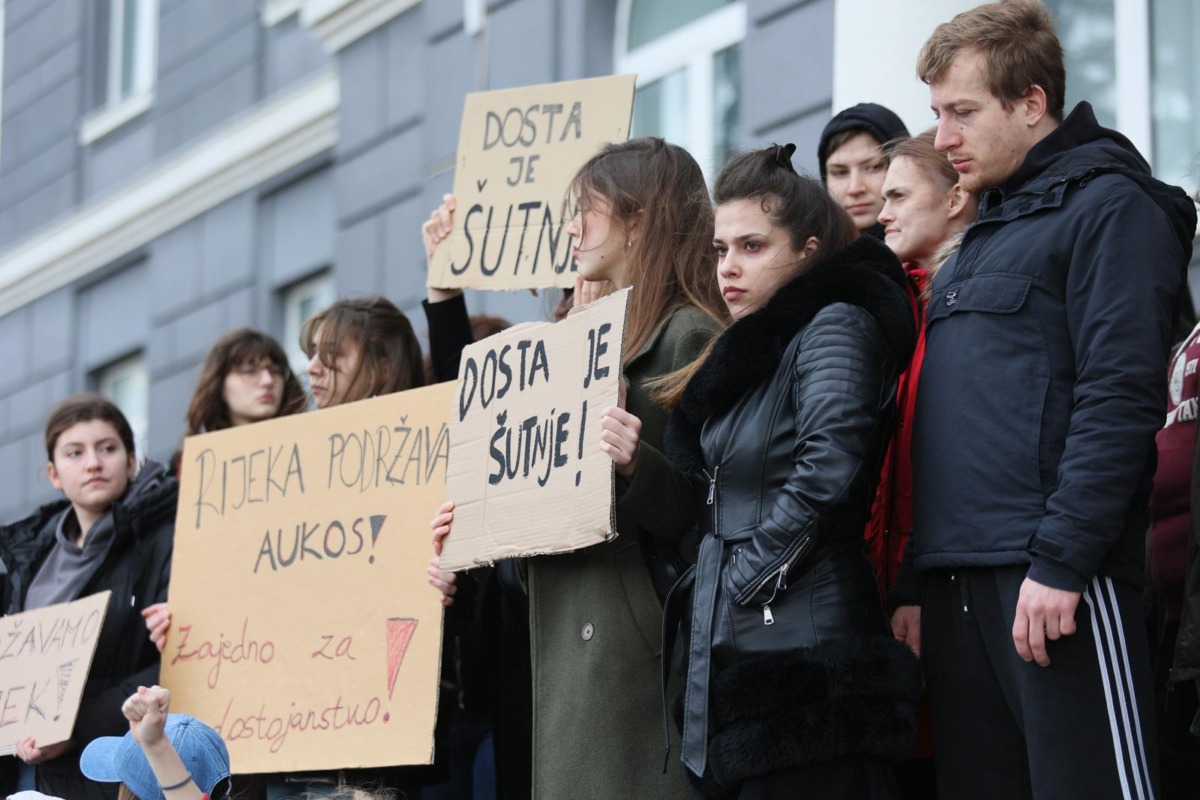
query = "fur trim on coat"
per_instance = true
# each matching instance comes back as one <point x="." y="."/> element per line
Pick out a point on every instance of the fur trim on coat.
<point x="865" y="274"/>
<point x="855" y="696"/>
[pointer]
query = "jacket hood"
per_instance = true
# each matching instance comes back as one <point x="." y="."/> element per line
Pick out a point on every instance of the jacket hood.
<point x="1081" y="147"/>
<point x="149" y="502"/>
<point x="865" y="274"/>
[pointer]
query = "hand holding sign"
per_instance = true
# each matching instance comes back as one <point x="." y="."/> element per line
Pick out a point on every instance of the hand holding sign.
<point x="437" y="228"/>
<point x="45" y="655"/>
<point x="620" y="437"/>
<point x="527" y="473"/>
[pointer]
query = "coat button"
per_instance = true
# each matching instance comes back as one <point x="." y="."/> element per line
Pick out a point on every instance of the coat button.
<point x="588" y="632"/>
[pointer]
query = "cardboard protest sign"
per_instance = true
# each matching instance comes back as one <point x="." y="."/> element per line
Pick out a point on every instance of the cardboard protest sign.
<point x="304" y="629"/>
<point x="518" y="150"/>
<point x="526" y="472"/>
<point x="45" y="656"/>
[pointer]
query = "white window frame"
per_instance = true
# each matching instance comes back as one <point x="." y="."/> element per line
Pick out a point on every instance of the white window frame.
<point x="1131" y="20"/>
<point x="130" y="368"/>
<point x="119" y="109"/>
<point x="319" y="286"/>
<point x="693" y="47"/>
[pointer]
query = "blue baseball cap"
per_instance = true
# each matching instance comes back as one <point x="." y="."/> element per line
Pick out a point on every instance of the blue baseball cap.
<point x="119" y="759"/>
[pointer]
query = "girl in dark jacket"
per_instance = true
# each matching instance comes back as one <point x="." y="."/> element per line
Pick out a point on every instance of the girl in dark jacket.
<point x="793" y="686"/>
<point x="114" y="531"/>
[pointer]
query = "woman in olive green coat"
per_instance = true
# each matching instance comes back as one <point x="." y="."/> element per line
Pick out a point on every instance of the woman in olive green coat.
<point x="645" y="221"/>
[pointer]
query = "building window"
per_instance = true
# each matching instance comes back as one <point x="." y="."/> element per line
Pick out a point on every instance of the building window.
<point x="1087" y="30"/>
<point x="1175" y="101"/>
<point x="126" y="45"/>
<point x="127" y="383"/>
<point x="300" y="302"/>
<point x="687" y="59"/>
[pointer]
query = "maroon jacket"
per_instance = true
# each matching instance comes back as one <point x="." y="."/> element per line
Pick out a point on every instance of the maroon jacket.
<point x="1170" y="504"/>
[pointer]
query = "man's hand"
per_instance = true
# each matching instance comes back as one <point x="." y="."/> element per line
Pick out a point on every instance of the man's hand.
<point x="906" y="627"/>
<point x="1042" y="613"/>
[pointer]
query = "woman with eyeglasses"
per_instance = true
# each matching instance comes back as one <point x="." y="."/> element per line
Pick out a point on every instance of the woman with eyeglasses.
<point x="245" y="379"/>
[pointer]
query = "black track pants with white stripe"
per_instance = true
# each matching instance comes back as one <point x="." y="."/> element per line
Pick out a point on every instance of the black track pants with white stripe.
<point x="1082" y="727"/>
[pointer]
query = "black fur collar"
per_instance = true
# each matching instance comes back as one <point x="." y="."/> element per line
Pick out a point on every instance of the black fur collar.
<point x="866" y="274"/>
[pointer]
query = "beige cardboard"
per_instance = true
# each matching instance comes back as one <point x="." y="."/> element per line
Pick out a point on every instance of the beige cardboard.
<point x="518" y="150"/>
<point x="45" y="656"/>
<point x="304" y="628"/>
<point x="556" y="495"/>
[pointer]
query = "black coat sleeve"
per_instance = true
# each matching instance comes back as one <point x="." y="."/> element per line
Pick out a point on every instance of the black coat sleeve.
<point x="1125" y="272"/>
<point x="449" y="333"/>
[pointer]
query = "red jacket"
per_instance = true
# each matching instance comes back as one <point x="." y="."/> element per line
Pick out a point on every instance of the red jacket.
<point x="892" y="512"/>
<point x="891" y="519"/>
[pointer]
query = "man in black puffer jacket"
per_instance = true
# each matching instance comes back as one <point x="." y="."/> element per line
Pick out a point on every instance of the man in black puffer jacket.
<point x="1033" y="449"/>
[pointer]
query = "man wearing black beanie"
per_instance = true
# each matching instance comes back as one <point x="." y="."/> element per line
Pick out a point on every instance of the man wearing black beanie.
<point x="852" y="164"/>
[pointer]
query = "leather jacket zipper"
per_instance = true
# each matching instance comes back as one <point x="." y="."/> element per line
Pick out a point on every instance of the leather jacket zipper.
<point x="799" y="550"/>
<point x="780" y="583"/>
<point x="712" y="484"/>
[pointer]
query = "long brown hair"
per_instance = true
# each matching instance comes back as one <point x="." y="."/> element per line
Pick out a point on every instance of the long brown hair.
<point x="670" y="260"/>
<point x="391" y="355"/>
<point x="799" y="204"/>
<point x="208" y="410"/>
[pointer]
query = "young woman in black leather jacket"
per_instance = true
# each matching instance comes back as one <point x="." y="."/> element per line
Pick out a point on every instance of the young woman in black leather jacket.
<point x="793" y="686"/>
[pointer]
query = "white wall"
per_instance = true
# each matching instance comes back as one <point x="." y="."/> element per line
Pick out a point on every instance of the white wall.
<point x="875" y="47"/>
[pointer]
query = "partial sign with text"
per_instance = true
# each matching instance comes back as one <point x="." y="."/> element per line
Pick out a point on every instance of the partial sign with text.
<point x="526" y="472"/>
<point x="303" y="627"/>
<point x="518" y="151"/>
<point x="45" y="656"/>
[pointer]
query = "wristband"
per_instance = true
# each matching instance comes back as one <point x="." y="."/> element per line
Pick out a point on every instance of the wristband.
<point x="179" y="785"/>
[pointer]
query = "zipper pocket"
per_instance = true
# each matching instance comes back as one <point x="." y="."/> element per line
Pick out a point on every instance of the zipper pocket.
<point x="800" y="549"/>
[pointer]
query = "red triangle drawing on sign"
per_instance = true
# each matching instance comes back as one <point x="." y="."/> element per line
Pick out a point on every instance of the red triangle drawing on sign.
<point x="399" y="633"/>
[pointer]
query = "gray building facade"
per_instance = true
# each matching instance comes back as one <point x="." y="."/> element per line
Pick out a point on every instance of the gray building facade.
<point x="118" y="271"/>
